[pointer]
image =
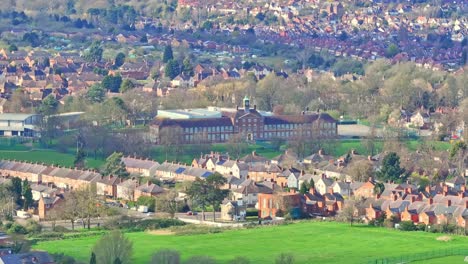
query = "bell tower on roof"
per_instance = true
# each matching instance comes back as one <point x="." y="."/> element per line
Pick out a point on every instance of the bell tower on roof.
<point x="246" y="102"/>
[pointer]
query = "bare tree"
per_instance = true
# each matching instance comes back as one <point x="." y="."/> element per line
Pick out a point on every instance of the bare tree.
<point x="169" y="203"/>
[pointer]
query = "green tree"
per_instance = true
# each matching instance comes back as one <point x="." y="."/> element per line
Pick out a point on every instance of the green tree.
<point x="304" y="188"/>
<point x="172" y="69"/>
<point x="112" y="83"/>
<point x="93" y="258"/>
<point x="32" y="38"/>
<point x="379" y="188"/>
<point x="126" y="85"/>
<point x="207" y="25"/>
<point x="16" y="189"/>
<point x="27" y="195"/>
<point x="115" y="166"/>
<point x="96" y="93"/>
<point x="311" y="183"/>
<point x="117" y="261"/>
<point x="148" y="201"/>
<point x="187" y="67"/>
<point x="208" y="192"/>
<point x="49" y="105"/>
<point x="168" y="54"/>
<point x="391" y="170"/>
<point x="119" y="59"/>
<point x="12" y="48"/>
<point x="166" y="256"/>
<point x="80" y="158"/>
<point x="94" y="52"/>
<point x="391" y="51"/>
<point x="459" y="153"/>
<point x="112" y="246"/>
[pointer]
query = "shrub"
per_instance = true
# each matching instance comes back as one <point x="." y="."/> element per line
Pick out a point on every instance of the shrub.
<point x="62" y="259"/>
<point x="149" y="224"/>
<point x="166" y="256"/>
<point x="239" y="260"/>
<point x="421" y="227"/>
<point x="285" y="258"/>
<point x="388" y="223"/>
<point x="407" y="226"/>
<point x="33" y="226"/>
<point x="196" y="230"/>
<point x="48" y="236"/>
<point x="61" y="229"/>
<point x="17" y="229"/>
<point x="254" y="212"/>
<point x="8" y="225"/>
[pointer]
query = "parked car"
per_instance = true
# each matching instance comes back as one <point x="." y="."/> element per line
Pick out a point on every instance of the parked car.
<point x="192" y="213"/>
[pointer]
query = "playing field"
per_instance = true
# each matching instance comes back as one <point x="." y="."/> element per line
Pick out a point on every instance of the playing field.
<point x="445" y="260"/>
<point x="47" y="157"/>
<point x="309" y="242"/>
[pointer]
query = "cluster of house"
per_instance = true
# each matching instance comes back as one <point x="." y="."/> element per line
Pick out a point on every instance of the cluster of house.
<point x="273" y="186"/>
<point x="40" y="73"/>
<point x="50" y="183"/>
<point x="445" y="203"/>
<point x="378" y="22"/>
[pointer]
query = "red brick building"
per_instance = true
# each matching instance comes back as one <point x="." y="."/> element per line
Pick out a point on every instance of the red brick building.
<point x="248" y="122"/>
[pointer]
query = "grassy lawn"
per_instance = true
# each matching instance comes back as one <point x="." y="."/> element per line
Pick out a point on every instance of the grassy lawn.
<point x="445" y="260"/>
<point x="191" y="152"/>
<point x="18" y="151"/>
<point x="310" y="242"/>
<point x="47" y="157"/>
<point x="344" y="146"/>
<point x="413" y="145"/>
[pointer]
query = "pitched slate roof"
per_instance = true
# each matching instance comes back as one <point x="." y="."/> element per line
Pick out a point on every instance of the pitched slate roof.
<point x="195" y="122"/>
<point x="251" y="187"/>
<point x="150" y="188"/>
<point x="139" y="163"/>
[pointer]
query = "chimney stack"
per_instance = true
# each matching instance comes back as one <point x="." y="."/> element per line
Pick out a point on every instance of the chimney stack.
<point x="449" y="202"/>
<point x="428" y="188"/>
<point x="312" y="190"/>
<point x="430" y="201"/>
<point x="320" y="152"/>
<point x="466" y="204"/>
<point x="413" y="198"/>
<point x="395" y="197"/>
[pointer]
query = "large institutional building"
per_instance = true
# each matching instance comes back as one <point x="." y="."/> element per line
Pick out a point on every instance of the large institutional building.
<point x="220" y="124"/>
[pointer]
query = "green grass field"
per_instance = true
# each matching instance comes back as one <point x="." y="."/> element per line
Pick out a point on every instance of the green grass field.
<point x="310" y="242"/>
<point x="445" y="260"/>
<point x="47" y="157"/>
<point x="9" y="150"/>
